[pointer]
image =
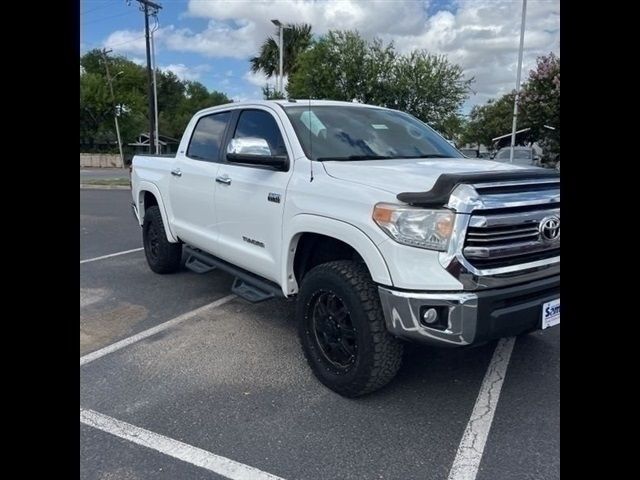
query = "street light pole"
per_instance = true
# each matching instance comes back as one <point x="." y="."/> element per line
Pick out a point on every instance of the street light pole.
<point x="278" y="24"/>
<point x="515" y="100"/>
<point x="281" y="58"/>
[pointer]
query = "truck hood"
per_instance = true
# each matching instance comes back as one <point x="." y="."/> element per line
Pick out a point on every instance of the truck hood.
<point x="408" y="175"/>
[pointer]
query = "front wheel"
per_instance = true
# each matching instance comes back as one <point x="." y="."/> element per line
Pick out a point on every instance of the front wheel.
<point x="162" y="255"/>
<point x="342" y="330"/>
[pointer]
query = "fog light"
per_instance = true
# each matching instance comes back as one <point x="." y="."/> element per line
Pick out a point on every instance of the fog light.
<point x="430" y="316"/>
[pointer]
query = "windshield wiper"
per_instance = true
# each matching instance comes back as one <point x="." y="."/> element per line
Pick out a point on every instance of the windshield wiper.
<point x="355" y="157"/>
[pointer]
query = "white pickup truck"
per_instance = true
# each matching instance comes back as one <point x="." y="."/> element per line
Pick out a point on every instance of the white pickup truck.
<point x="380" y="229"/>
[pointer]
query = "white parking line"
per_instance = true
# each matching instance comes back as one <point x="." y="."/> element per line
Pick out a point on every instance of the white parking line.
<point x="110" y="255"/>
<point x="90" y="357"/>
<point x="195" y="456"/>
<point x="467" y="461"/>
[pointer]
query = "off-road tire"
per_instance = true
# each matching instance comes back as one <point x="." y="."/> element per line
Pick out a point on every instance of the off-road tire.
<point x="378" y="355"/>
<point x="162" y="255"/>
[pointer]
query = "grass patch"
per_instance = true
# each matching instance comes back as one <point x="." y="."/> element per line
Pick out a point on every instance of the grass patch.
<point x="124" y="182"/>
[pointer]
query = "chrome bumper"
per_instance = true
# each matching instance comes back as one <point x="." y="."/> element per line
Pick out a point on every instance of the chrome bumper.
<point x="468" y="317"/>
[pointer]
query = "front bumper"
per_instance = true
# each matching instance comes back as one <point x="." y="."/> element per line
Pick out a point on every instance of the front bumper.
<point x="468" y="317"/>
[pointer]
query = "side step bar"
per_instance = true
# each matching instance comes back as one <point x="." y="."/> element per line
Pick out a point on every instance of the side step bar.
<point x="246" y="285"/>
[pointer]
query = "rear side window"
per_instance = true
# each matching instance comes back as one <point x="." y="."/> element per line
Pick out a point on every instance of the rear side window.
<point x="260" y="124"/>
<point x="207" y="137"/>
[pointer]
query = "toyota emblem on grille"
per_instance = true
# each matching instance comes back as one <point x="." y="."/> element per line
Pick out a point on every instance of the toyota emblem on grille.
<point x="550" y="229"/>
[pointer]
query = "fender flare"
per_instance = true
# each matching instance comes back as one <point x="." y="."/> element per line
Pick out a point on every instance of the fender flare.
<point x="343" y="231"/>
<point x="146" y="186"/>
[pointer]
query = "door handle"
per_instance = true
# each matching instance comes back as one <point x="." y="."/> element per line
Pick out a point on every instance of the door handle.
<point x="226" y="180"/>
<point x="176" y="172"/>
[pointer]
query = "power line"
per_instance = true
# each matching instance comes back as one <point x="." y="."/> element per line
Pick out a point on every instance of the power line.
<point x="101" y="19"/>
<point x="94" y="9"/>
<point x="111" y="45"/>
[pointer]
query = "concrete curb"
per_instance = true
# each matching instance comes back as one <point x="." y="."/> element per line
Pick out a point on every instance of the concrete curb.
<point x="86" y="186"/>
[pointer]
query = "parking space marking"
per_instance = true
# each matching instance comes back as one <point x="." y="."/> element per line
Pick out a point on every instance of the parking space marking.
<point x="195" y="456"/>
<point x="110" y="255"/>
<point x="90" y="357"/>
<point x="465" y="465"/>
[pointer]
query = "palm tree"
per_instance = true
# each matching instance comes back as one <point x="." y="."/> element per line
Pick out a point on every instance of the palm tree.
<point x="297" y="38"/>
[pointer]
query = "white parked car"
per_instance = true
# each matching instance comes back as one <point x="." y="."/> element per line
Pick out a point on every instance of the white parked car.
<point x="521" y="156"/>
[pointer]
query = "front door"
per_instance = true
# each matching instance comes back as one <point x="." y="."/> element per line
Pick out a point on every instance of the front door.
<point x="250" y="200"/>
<point x="192" y="183"/>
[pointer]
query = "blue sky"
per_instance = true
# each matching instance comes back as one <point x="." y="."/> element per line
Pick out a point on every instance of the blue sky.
<point x="211" y="41"/>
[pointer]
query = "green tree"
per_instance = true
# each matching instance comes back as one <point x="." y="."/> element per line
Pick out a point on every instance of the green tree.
<point x="429" y="87"/>
<point x="540" y="101"/>
<point x="296" y="40"/>
<point x="194" y="97"/>
<point x="343" y="66"/>
<point x="270" y="93"/>
<point x="538" y="104"/>
<point x="490" y="120"/>
<point x="334" y="68"/>
<point x="95" y="109"/>
<point x="177" y="100"/>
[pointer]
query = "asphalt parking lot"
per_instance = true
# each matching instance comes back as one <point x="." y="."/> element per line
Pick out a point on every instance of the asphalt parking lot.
<point x="230" y="379"/>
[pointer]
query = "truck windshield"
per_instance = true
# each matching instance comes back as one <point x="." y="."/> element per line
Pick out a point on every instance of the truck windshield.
<point x="350" y="133"/>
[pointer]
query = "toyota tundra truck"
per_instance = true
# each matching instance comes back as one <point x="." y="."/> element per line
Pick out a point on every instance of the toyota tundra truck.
<point x="380" y="230"/>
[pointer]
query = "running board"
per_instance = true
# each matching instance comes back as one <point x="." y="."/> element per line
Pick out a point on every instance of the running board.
<point x="198" y="266"/>
<point x="246" y="285"/>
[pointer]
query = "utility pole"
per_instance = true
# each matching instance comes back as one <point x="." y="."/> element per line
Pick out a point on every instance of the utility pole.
<point x="113" y="101"/>
<point x="149" y="8"/>
<point x="515" y="101"/>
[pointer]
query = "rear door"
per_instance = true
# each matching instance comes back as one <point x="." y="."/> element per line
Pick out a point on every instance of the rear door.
<point x="192" y="184"/>
<point x="250" y="199"/>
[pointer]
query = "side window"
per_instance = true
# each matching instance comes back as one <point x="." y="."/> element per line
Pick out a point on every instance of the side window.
<point x="207" y="137"/>
<point x="260" y="124"/>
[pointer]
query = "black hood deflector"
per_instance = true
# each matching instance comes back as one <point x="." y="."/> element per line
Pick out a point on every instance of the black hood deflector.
<point x="438" y="196"/>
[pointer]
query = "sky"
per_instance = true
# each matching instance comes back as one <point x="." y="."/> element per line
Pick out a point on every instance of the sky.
<point x="211" y="41"/>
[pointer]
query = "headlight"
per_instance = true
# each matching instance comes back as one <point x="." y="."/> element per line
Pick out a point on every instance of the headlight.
<point x="413" y="226"/>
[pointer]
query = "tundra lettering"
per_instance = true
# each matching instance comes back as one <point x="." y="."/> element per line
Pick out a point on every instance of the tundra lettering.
<point x="384" y="232"/>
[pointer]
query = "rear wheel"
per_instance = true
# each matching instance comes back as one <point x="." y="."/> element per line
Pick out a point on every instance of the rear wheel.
<point x="342" y="330"/>
<point x="162" y="255"/>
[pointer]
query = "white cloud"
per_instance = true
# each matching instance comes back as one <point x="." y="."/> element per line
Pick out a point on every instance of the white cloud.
<point x="219" y="39"/>
<point x="483" y="37"/>
<point x="184" y="72"/>
<point x="480" y="35"/>
<point x="126" y="41"/>
<point x="253" y="95"/>
<point x="258" y="79"/>
<point x="138" y="60"/>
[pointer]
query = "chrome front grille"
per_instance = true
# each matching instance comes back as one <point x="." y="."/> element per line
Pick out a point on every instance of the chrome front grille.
<point x="496" y="238"/>
<point x="510" y="231"/>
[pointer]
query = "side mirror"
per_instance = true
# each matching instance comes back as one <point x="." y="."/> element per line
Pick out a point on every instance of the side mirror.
<point x="254" y="151"/>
